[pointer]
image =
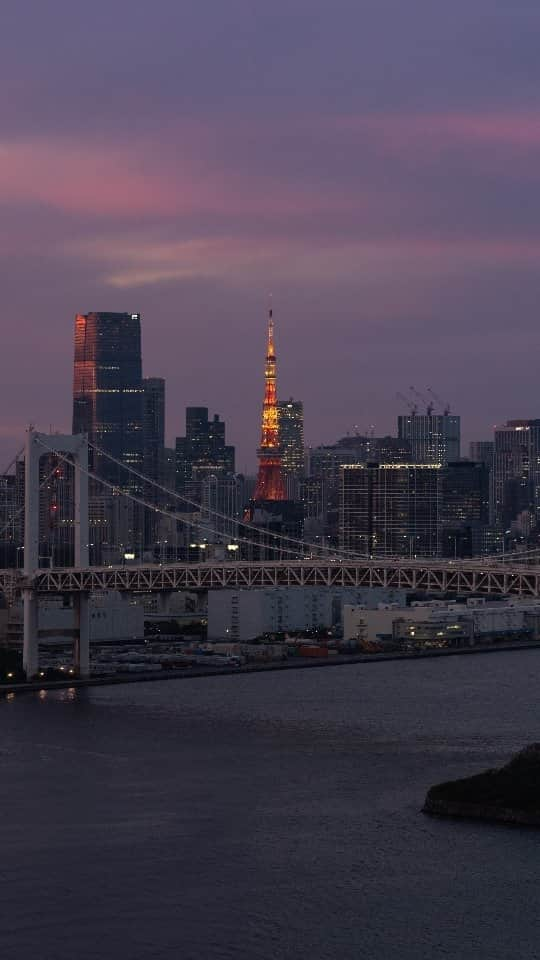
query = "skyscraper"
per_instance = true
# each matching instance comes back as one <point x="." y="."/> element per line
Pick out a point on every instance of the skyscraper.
<point x="270" y="485"/>
<point x="464" y="508"/>
<point x="108" y="402"/>
<point x="154" y="428"/>
<point x="516" y="473"/>
<point x="390" y="509"/>
<point x="481" y="451"/>
<point x="202" y="451"/>
<point x="433" y="437"/>
<point x="153" y="453"/>
<point x="11" y="524"/>
<point x="291" y="436"/>
<point x="108" y="390"/>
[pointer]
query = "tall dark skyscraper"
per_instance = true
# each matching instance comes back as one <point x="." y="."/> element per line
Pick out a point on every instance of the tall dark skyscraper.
<point x="291" y="436"/>
<point x="481" y="451"/>
<point x="464" y="508"/>
<point x="108" y="390"/>
<point x="154" y="428"/>
<point x="433" y="437"/>
<point x="154" y="452"/>
<point x="11" y="524"/>
<point x="390" y="509"/>
<point x="202" y="452"/>
<point x="516" y="470"/>
<point x="108" y="405"/>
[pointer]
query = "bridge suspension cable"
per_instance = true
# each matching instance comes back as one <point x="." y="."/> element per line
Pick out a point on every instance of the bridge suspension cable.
<point x="168" y="513"/>
<point x="279" y="539"/>
<point x="12" y="462"/>
<point x="20" y="511"/>
<point x="283" y="538"/>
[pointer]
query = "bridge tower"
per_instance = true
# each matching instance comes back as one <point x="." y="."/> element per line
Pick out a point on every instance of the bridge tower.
<point x="37" y="444"/>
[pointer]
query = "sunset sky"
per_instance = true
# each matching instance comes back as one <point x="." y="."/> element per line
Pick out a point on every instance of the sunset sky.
<point x="374" y="164"/>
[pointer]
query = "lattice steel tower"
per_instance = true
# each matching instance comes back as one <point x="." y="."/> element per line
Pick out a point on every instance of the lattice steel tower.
<point x="270" y="484"/>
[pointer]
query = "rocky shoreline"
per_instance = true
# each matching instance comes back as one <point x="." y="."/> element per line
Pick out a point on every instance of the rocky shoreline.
<point x="510" y="794"/>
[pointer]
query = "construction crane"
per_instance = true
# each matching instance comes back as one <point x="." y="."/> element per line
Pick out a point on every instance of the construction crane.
<point x="413" y="407"/>
<point x="444" y="406"/>
<point x="427" y="403"/>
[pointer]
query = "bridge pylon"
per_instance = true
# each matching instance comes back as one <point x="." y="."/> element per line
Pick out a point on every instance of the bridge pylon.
<point x="37" y="445"/>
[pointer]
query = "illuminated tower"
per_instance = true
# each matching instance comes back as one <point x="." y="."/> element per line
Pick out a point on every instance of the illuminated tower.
<point x="270" y="485"/>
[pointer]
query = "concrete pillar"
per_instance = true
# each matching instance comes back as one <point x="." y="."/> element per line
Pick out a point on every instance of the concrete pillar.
<point x="81" y="503"/>
<point x="82" y="637"/>
<point x="202" y="603"/>
<point x="163" y="601"/>
<point x="30" y="634"/>
<point x="31" y="503"/>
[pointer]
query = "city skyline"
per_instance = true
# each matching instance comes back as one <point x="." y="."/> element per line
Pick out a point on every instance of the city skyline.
<point x="404" y="403"/>
<point x="300" y="152"/>
<point x="198" y="512"/>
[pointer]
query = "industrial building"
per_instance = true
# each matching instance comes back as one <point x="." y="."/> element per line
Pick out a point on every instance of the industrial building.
<point x="242" y="615"/>
<point x="112" y="616"/>
<point x="442" y="623"/>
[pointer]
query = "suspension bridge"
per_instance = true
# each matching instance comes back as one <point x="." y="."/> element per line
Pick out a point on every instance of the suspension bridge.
<point x="298" y="564"/>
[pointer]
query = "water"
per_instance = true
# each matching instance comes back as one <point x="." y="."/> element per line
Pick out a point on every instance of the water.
<point x="267" y="817"/>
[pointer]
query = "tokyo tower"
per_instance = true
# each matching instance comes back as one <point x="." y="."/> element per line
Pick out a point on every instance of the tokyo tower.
<point x="270" y="485"/>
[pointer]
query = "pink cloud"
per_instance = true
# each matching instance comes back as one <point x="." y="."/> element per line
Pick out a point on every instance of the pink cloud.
<point x="515" y="130"/>
<point x="128" y="261"/>
<point x="198" y="169"/>
<point x="127" y="180"/>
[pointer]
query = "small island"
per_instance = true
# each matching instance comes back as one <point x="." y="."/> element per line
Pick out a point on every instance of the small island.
<point x="510" y="794"/>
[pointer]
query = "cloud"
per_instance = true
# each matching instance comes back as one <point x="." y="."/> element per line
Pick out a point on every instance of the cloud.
<point x="135" y="261"/>
<point x="125" y="180"/>
<point x="348" y="199"/>
<point x="515" y="130"/>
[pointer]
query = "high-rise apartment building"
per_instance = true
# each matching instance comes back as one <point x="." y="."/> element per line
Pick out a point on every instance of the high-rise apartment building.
<point x="433" y="437"/>
<point x="324" y="467"/>
<point x="153" y="452"/>
<point x="516" y="474"/>
<point x="481" y="451"/>
<point x="154" y="428"/>
<point x="291" y="436"/>
<point x="464" y="508"/>
<point x="325" y="462"/>
<point x="11" y="522"/>
<point x="201" y="452"/>
<point x="390" y="509"/>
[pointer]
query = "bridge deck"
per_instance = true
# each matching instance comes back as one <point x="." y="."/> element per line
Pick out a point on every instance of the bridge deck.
<point x="461" y="577"/>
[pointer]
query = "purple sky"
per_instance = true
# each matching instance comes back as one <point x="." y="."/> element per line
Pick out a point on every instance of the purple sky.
<point x="373" y="163"/>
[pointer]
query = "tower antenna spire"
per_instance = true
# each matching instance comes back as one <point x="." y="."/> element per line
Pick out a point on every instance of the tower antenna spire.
<point x="271" y="350"/>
